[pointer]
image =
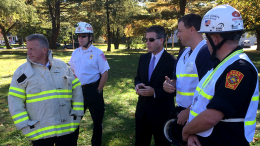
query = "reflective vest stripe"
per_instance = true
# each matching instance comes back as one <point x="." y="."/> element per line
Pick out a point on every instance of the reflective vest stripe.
<point x="21" y="120"/>
<point x="52" y="133"/>
<point x="50" y="128"/>
<point x="255" y="98"/>
<point x="69" y="128"/>
<point x="17" y="89"/>
<point x="77" y="103"/>
<point x="48" y="92"/>
<point x="185" y="93"/>
<point x="206" y="95"/>
<point x="78" y="108"/>
<point x="47" y="98"/>
<point x="17" y="95"/>
<point x="193" y="113"/>
<point x="20" y="114"/>
<point x="247" y="123"/>
<point x="187" y="75"/>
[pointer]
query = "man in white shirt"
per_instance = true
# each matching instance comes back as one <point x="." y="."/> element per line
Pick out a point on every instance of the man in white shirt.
<point x="91" y="67"/>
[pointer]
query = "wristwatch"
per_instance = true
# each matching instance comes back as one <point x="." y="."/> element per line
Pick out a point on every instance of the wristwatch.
<point x="99" y="91"/>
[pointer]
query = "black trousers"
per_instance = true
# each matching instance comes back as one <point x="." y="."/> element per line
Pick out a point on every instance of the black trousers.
<point x="65" y="140"/>
<point x="144" y="130"/>
<point x="95" y="103"/>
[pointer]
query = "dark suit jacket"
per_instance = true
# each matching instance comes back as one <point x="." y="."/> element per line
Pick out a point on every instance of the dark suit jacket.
<point x="156" y="109"/>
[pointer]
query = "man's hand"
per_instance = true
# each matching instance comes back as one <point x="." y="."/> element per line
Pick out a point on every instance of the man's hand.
<point x="168" y="85"/>
<point x="183" y="116"/>
<point x="146" y="91"/>
<point x="193" y="141"/>
<point x="139" y="86"/>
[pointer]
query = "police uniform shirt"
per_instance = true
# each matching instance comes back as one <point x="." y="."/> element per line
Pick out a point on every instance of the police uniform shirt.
<point x="233" y="103"/>
<point x="88" y="64"/>
<point x="202" y="61"/>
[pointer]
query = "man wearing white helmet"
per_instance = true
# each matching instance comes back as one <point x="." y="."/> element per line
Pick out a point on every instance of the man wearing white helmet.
<point x="91" y="67"/>
<point x="223" y="112"/>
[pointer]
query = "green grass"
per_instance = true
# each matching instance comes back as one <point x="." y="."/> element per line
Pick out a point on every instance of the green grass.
<point x="120" y="97"/>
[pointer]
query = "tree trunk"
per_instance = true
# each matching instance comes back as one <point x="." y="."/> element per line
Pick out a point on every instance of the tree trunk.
<point x="55" y="18"/>
<point x="182" y="4"/>
<point x="117" y="39"/>
<point x="108" y="30"/>
<point x="5" y="33"/>
<point x="258" y="39"/>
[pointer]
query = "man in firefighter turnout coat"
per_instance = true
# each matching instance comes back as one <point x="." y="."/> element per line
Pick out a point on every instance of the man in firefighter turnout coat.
<point x="224" y="107"/>
<point x="45" y="99"/>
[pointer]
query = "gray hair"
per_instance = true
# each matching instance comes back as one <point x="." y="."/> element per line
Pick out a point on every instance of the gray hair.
<point x="41" y="38"/>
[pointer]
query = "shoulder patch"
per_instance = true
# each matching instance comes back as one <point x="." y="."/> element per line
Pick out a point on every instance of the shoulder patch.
<point x="103" y="56"/>
<point x="233" y="79"/>
<point x="21" y="78"/>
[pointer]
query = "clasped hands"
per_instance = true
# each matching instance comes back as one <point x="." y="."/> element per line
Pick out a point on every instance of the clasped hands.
<point x="143" y="90"/>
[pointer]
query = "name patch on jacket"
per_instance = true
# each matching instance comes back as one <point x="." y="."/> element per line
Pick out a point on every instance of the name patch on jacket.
<point x="21" y="78"/>
<point x="233" y="79"/>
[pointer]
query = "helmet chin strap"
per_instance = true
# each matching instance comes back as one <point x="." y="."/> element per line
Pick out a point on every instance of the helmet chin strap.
<point x="215" y="47"/>
<point x="86" y="46"/>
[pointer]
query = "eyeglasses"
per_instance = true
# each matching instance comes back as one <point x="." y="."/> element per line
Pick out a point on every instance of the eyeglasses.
<point x="151" y="39"/>
<point x="83" y="36"/>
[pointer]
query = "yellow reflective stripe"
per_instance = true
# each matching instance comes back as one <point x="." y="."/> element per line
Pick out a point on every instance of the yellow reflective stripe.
<point x="21" y="120"/>
<point x="193" y="113"/>
<point x="52" y="133"/>
<point x="255" y="98"/>
<point x="77" y="103"/>
<point x="186" y="93"/>
<point x="177" y="76"/>
<point x="49" y="91"/>
<point x="78" y="108"/>
<point x="247" y="123"/>
<point x="78" y="84"/>
<point x="17" y="95"/>
<point x="74" y="81"/>
<point x="189" y="75"/>
<point x="18" y="115"/>
<point x="17" y="89"/>
<point x="198" y="89"/>
<point x="51" y="127"/>
<point x="48" y="97"/>
<point x="206" y="95"/>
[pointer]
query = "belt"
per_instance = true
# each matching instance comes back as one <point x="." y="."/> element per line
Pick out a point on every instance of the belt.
<point x="88" y="85"/>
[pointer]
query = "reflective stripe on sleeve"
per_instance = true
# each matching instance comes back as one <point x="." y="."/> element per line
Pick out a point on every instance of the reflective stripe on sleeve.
<point x="78" y="108"/>
<point x="18" y="118"/>
<point x="77" y="103"/>
<point x="17" y="92"/>
<point x="75" y="83"/>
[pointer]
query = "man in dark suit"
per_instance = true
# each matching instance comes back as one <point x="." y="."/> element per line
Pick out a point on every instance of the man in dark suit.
<point x="154" y="103"/>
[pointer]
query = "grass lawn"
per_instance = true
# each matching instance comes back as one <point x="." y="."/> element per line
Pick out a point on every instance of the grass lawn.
<point x="120" y="97"/>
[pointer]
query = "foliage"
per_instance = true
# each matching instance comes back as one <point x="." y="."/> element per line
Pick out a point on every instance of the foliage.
<point x="13" y="12"/>
<point x="250" y="11"/>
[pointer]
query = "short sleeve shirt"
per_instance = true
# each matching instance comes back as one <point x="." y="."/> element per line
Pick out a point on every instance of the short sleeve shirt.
<point x="233" y="103"/>
<point x="202" y="61"/>
<point x="88" y="64"/>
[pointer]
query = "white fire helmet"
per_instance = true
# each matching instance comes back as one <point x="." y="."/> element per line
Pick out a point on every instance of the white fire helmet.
<point x="83" y="27"/>
<point x="222" y="19"/>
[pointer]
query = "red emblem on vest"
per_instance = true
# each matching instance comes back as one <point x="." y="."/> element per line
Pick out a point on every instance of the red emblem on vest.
<point x="233" y="79"/>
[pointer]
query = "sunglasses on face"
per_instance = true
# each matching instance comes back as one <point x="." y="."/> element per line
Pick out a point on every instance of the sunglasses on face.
<point x="82" y="36"/>
<point x="151" y="39"/>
